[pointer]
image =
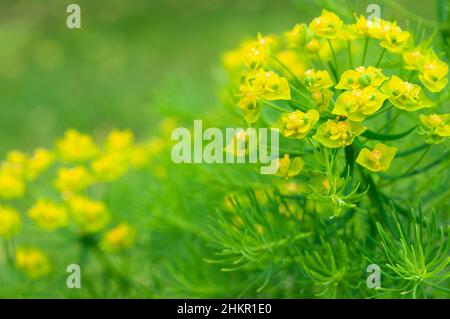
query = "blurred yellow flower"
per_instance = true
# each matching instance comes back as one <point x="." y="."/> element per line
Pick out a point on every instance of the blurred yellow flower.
<point x="48" y="214"/>
<point x="391" y="35"/>
<point x="73" y="180"/>
<point x="293" y="61"/>
<point x="91" y="216"/>
<point x="15" y="163"/>
<point x="433" y="73"/>
<point x="297" y="124"/>
<point x="414" y="57"/>
<point x="110" y="166"/>
<point x="327" y="25"/>
<point x="360" y="78"/>
<point x="139" y="156"/>
<point x="118" y="238"/>
<point x="315" y="80"/>
<point x="119" y="140"/>
<point x="34" y="263"/>
<point x="39" y="162"/>
<point x="255" y="54"/>
<point x="272" y="86"/>
<point x="10" y="222"/>
<point x="287" y="167"/>
<point x="322" y="98"/>
<point x="248" y="102"/>
<point x="76" y="147"/>
<point x="357" y="104"/>
<point x="405" y="95"/>
<point x="299" y="36"/>
<point x="11" y="186"/>
<point x="377" y="160"/>
<point x="336" y="134"/>
<point x="436" y="127"/>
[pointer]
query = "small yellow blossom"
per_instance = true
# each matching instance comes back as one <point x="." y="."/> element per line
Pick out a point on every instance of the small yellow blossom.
<point x="336" y="134"/>
<point x="357" y="104"/>
<point x="34" y="263"/>
<point x="272" y="86"/>
<point x="405" y="95"/>
<point x="39" y="162"/>
<point x="10" y="222"/>
<point x="361" y="78"/>
<point x="11" y="186"/>
<point x="377" y="160"/>
<point x="48" y="214"/>
<point x="118" y="238"/>
<point x="15" y="163"/>
<point x="362" y="26"/>
<point x="73" y="180"/>
<point x="415" y="57"/>
<point x="299" y="36"/>
<point x="287" y="167"/>
<point x="76" y="147"/>
<point x="110" y="166"/>
<point x="91" y="216"/>
<point x="436" y="127"/>
<point x="433" y="73"/>
<point x="249" y="103"/>
<point x="255" y="54"/>
<point x="297" y="124"/>
<point x="313" y="46"/>
<point x="322" y="98"/>
<point x="391" y="35"/>
<point x="119" y="140"/>
<point x="327" y="25"/>
<point x="315" y="80"/>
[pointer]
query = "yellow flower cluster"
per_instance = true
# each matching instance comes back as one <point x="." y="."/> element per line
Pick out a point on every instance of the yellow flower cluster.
<point x="295" y="74"/>
<point x="10" y="222"/>
<point x="118" y="238"/>
<point x="32" y="262"/>
<point x="48" y="215"/>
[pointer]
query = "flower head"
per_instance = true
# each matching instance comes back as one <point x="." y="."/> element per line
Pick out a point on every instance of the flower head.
<point x="287" y="167"/>
<point x="10" y="222"/>
<point x="34" y="263"/>
<point x="414" y="57"/>
<point x="357" y="104"/>
<point x="336" y="134"/>
<point x="377" y="160"/>
<point x="111" y="166"/>
<point x="392" y="37"/>
<point x="48" y="214"/>
<point x="91" y="216"/>
<point x="76" y="147"/>
<point x="316" y="80"/>
<point x="297" y="124"/>
<point x="405" y="95"/>
<point x="433" y="73"/>
<point x="119" y="140"/>
<point x="39" y="162"/>
<point x="299" y="36"/>
<point x="11" y="186"/>
<point x="118" y="238"/>
<point x="436" y="127"/>
<point x="360" y="78"/>
<point x="326" y="25"/>
<point x="272" y="86"/>
<point x="73" y="180"/>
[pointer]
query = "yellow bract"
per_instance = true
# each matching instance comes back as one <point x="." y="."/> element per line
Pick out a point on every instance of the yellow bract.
<point x="91" y="216"/>
<point x="11" y="186"/>
<point x="436" y="127"/>
<point x="118" y="238"/>
<point x="48" y="214"/>
<point x="433" y="73"/>
<point x="287" y="167"/>
<point x="357" y="104"/>
<point x="316" y="80"/>
<point x="360" y="78"/>
<point x="322" y="98"/>
<point x="73" y="180"/>
<point x="405" y="95"/>
<point x="297" y="124"/>
<point x="377" y="160"/>
<point x="76" y="147"/>
<point x="299" y="36"/>
<point x="391" y="35"/>
<point x="414" y="57"/>
<point x="10" y="222"/>
<point x="32" y="262"/>
<point x="327" y="25"/>
<point x="336" y="134"/>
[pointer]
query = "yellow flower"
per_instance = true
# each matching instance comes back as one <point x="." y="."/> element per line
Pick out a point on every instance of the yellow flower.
<point x="315" y="80"/>
<point x="335" y="134"/>
<point x="48" y="215"/>
<point x="91" y="216"/>
<point x="73" y="180"/>
<point x="11" y="186"/>
<point x="287" y="167"/>
<point x="405" y="95"/>
<point x="357" y="104"/>
<point x="15" y="163"/>
<point x="118" y="238"/>
<point x="10" y="222"/>
<point x="360" y="78"/>
<point x="32" y="262"/>
<point x="414" y="57"/>
<point x="297" y="124"/>
<point x="391" y="35"/>
<point x="39" y="162"/>
<point x="322" y="98"/>
<point x="313" y="46"/>
<point x="293" y="61"/>
<point x="255" y="54"/>
<point x="327" y="25"/>
<point x="436" y="127"/>
<point x="272" y="86"/>
<point x="433" y="73"/>
<point x="119" y="140"/>
<point x="249" y="103"/>
<point x="139" y="156"/>
<point x="76" y="147"/>
<point x="362" y="26"/>
<point x="377" y="160"/>
<point x="299" y="36"/>
<point x="110" y="166"/>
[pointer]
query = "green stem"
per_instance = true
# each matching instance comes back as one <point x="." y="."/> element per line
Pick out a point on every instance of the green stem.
<point x="334" y="57"/>
<point x="366" y="45"/>
<point x="380" y="57"/>
<point x="276" y="107"/>
<point x="349" y="51"/>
